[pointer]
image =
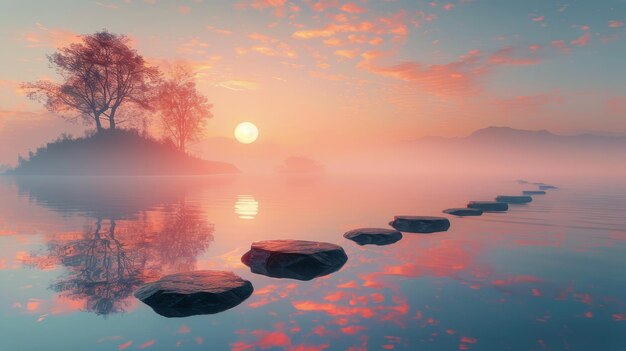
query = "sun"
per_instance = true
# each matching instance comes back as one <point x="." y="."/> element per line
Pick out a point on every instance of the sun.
<point x="246" y="133"/>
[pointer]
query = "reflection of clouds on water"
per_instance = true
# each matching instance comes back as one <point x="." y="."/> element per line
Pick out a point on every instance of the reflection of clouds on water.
<point x="246" y="207"/>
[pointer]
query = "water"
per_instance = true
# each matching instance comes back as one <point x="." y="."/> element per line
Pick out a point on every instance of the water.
<point x="544" y="276"/>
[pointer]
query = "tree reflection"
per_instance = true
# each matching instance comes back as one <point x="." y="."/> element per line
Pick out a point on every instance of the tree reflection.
<point x="110" y="259"/>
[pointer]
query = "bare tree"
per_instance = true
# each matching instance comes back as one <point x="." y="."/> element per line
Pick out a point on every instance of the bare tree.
<point x="182" y="108"/>
<point x="101" y="76"/>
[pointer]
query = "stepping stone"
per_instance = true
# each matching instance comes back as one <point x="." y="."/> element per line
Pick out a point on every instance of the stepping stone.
<point x="489" y="206"/>
<point x="420" y="224"/>
<point x="373" y="236"/>
<point x="193" y="293"/>
<point x="533" y="192"/>
<point x="295" y="259"/>
<point x="464" y="211"/>
<point x="547" y="187"/>
<point x="514" y="199"/>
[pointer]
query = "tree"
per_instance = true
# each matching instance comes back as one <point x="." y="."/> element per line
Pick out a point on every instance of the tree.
<point x="182" y="108"/>
<point x="101" y="76"/>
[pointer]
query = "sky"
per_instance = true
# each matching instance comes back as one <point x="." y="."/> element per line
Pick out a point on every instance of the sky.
<point x="327" y="74"/>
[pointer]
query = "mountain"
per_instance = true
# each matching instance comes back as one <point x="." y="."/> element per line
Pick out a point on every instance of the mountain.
<point x="506" y="136"/>
<point x="498" y="149"/>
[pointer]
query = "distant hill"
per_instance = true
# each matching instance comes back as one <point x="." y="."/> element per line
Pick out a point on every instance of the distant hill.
<point x="506" y="136"/>
<point x="117" y="152"/>
<point x="500" y="149"/>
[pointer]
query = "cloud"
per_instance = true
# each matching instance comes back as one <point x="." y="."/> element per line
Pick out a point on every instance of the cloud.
<point x="536" y="18"/>
<point x="461" y="77"/>
<point x="270" y="46"/>
<point x="219" y="30"/>
<point x="584" y="39"/>
<point x="561" y="46"/>
<point x="280" y="7"/>
<point x="238" y="85"/>
<point x="448" y="7"/>
<point x="394" y="25"/>
<point x="193" y="46"/>
<point x="349" y="54"/>
<point x="49" y="37"/>
<point x="352" y="8"/>
<point x="616" y="24"/>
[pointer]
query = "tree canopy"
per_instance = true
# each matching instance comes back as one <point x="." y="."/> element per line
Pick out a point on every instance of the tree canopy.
<point x="101" y="77"/>
<point x="182" y="108"/>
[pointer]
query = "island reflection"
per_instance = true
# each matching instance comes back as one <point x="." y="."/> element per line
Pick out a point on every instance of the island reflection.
<point x="127" y="243"/>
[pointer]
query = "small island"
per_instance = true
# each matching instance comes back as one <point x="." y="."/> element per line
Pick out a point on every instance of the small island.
<point x="115" y="153"/>
<point x="106" y="84"/>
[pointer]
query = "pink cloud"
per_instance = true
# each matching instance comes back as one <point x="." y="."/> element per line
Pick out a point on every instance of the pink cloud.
<point x="323" y="5"/>
<point x="616" y="24"/>
<point x="505" y="56"/>
<point x="349" y="54"/>
<point x="394" y="25"/>
<point x="448" y="7"/>
<point x="561" y="46"/>
<point x="352" y="8"/>
<point x="279" y="6"/>
<point x="352" y="330"/>
<point x="583" y="39"/>
<point x="49" y="37"/>
<point x="146" y="344"/>
<point x="124" y="345"/>
<point x="461" y="77"/>
<point x="538" y="19"/>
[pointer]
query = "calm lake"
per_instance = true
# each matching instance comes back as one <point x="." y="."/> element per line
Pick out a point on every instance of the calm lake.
<point x="544" y="276"/>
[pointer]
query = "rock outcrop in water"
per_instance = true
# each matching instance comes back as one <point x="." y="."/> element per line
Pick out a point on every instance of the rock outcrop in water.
<point x="373" y="236"/>
<point x="547" y="187"/>
<point x="420" y="224"/>
<point x="464" y="211"/>
<point x="533" y="192"/>
<point x="295" y="259"/>
<point x="193" y="293"/>
<point x="489" y="206"/>
<point x="514" y="199"/>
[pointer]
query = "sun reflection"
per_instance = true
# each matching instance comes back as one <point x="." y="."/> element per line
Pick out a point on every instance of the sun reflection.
<point x="246" y="207"/>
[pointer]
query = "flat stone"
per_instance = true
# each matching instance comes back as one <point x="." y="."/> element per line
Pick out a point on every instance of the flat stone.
<point x="533" y="192"/>
<point x="420" y="224"/>
<point x="194" y="293"/>
<point x="464" y="211"/>
<point x="295" y="259"/>
<point x="547" y="187"/>
<point x="514" y="199"/>
<point x="489" y="206"/>
<point x="373" y="236"/>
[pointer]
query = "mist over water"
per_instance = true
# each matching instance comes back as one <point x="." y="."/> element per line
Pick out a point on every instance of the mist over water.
<point x="542" y="275"/>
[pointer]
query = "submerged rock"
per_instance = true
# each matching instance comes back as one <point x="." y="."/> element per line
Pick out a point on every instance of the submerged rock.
<point x="489" y="206"/>
<point x="193" y="293"/>
<point x="373" y="236"/>
<point x="547" y="187"/>
<point x="533" y="192"/>
<point x="514" y="199"/>
<point x="464" y="211"/>
<point x="420" y="224"/>
<point x="295" y="259"/>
